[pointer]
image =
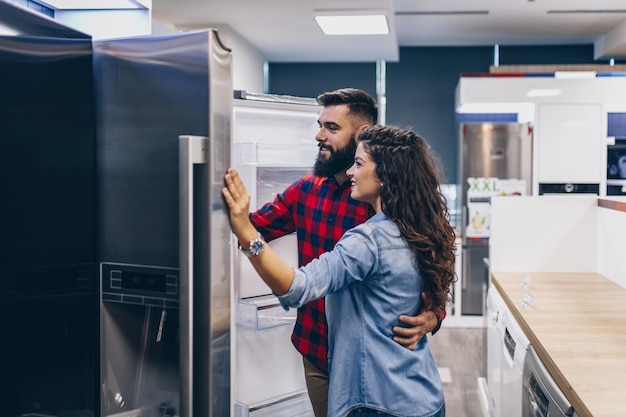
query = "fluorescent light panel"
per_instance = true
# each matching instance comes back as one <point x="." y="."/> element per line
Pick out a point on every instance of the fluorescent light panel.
<point x="353" y="24"/>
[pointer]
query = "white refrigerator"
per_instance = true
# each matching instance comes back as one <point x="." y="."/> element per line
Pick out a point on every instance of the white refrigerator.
<point x="273" y="146"/>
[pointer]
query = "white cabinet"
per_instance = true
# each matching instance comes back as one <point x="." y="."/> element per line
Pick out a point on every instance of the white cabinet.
<point x="570" y="144"/>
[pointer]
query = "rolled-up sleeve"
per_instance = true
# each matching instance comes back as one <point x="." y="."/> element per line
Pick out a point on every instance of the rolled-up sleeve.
<point x="354" y="258"/>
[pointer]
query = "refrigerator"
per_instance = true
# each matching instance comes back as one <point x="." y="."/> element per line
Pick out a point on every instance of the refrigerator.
<point x="48" y="284"/>
<point x="187" y="327"/>
<point x="163" y="143"/>
<point x="495" y="159"/>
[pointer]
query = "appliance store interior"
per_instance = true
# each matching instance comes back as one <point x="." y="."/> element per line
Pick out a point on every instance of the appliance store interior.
<point x="123" y="292"/>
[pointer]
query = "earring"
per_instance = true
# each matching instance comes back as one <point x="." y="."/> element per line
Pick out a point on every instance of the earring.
<point x="381" y="184"/>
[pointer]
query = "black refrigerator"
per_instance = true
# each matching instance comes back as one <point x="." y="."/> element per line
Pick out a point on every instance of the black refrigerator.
<point x="489" y="153"/>
<point x="48" y="281"/>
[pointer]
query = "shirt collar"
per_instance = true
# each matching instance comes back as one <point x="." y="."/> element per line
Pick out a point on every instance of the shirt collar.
<point x="378" y="217"/>
<point x="333" y="181"/>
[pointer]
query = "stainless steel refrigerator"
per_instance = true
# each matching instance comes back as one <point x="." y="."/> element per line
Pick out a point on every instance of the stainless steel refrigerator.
<point x="48" y="290"/>
<point x="187" y="327"/>
<point x="488" y="152"/>
<point x="163" y="109"/>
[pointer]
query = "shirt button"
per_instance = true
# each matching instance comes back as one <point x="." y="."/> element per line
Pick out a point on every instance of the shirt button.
<point x="331" y="220"/>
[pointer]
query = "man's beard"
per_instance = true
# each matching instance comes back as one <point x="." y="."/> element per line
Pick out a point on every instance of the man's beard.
<point x="337" y="161"/>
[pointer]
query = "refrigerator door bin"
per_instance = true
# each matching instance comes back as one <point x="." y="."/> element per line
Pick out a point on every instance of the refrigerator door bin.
<point x="296" y="406"/>
<point x="263" y="313"/>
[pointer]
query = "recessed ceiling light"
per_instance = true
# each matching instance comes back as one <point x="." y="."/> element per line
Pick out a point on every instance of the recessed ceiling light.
<point x="374" y="24"/>
<point x="543" y="92"/>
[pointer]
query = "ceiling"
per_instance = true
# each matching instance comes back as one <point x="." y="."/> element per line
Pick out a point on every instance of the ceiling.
<point x="285" y="30"/>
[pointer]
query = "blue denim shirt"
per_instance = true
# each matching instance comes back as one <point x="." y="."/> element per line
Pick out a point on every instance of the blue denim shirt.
<point x="369" y="279"/>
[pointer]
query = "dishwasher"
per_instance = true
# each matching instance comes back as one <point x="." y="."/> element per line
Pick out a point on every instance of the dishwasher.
<point x="515" y="350"/>
<point x="542" y="396"/>
<point x="496" y="312"/>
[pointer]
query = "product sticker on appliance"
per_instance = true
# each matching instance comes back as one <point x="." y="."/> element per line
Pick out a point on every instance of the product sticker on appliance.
<point x="479" y="195"/>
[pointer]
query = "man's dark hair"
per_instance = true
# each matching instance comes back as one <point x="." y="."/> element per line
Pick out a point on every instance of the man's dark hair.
<point x="359" y="102"/>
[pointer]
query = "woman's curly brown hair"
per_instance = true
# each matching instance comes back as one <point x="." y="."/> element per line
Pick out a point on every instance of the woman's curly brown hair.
<point x="411" y="197"/>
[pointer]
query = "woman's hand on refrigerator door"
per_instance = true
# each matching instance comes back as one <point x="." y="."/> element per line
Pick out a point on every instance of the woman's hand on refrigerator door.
<point x="238" y="202"/>
<point x="273" y="270"/>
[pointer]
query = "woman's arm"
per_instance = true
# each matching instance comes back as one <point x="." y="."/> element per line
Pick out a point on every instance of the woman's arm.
<point x="276" y="273"/>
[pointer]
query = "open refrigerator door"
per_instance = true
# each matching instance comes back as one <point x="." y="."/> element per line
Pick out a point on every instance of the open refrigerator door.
<point x="273" y="146"/>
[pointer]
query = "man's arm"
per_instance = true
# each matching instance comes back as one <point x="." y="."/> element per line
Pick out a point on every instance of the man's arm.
<point x="427" y="320"/>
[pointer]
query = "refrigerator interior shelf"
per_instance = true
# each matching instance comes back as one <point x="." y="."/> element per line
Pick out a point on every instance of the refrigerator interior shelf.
<point x="263" y="313"/>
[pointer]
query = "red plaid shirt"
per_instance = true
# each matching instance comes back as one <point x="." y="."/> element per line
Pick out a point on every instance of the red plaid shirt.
<point x="319" y="211"/>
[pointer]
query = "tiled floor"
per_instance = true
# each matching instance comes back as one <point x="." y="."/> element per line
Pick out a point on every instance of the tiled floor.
<point x="461" y="357"/>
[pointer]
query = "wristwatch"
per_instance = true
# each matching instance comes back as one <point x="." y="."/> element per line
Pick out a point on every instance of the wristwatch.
<point x="256" y="246"/>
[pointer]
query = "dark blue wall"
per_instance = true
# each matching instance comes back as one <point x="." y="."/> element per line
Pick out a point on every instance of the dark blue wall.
<point x="421" y="86"/>
<point x="421" y="94"/>
<point x="310" y="80"/>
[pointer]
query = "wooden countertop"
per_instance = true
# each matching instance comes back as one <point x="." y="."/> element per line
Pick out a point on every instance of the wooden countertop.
<point x="577" y="324"/>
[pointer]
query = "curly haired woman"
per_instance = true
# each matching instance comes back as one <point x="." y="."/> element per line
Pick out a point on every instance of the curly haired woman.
<point x="375" y="273"/>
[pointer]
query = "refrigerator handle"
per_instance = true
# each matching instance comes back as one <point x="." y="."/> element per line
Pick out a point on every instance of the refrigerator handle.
<point x="192" y="151"/>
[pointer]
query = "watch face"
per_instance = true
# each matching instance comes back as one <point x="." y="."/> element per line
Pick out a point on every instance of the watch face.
<point x="256" y="247"/>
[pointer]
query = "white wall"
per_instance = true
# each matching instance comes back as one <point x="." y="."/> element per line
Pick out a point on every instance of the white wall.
<point x="611" y="240"/>
<point x="550" y="233"/>
<point x="558" y="233"/>
<point x="105" y="24"/>
<point x="248" y="62"/>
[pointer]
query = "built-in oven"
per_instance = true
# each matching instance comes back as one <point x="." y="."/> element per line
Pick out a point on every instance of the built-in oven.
<point x="569" y="188"/>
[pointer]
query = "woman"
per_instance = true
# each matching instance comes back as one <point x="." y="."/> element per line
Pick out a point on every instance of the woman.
<point x="375" y="273"/>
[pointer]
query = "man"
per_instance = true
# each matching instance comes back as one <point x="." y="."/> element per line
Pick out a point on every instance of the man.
<point x="319" y="209"/>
